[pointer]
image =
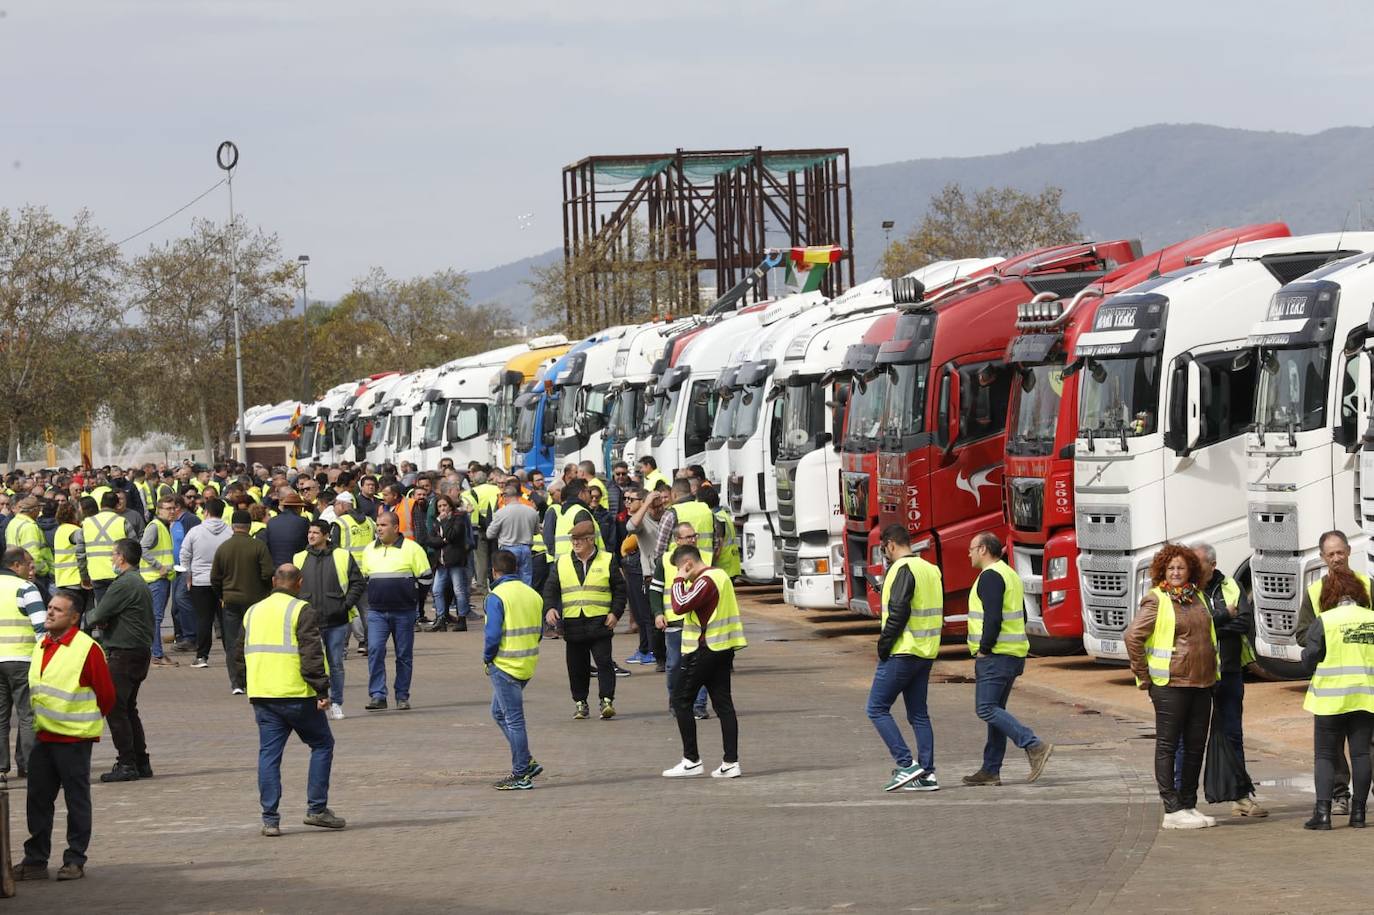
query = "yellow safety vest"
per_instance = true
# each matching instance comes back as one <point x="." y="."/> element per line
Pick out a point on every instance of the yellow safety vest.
<point x="16" y="629"/>
<point x="255" y="526"/>
<point x="1159" y="647"/>
<point x="669" y="576"/>
<point x="99" y="493"/>
<point x="161" y="553"/>
<point x="591" y="597"/>
<point x="61" y="705"/>
<point x="355" y="535"/>
<point x="653" y="478"/>
<point x="100" y="533"/>
<point x="1011" y="639"/>
<point x="521" y="625"/>
<point x="921" y="637"/>
<point x="485" y="496"/>
<point x="725" y="630"/>
<point x="271" y="650"/>
<point x="595" y="483"/>
<point x="66" y="570"/>
<point x="1344" y="680"/>
<point x="728" y="555"/>
<point x="1314" y="590"/>
<point x="562" y="530"/>
<point x="24" y="532"/>
<point x="145" y="492"/>
<point x="340" y="564"/>
<point x="703" y="522"/>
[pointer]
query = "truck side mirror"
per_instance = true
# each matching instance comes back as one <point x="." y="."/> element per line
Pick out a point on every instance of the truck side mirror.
<point x="949" y="410"/>
<point x="1194" y="423"/>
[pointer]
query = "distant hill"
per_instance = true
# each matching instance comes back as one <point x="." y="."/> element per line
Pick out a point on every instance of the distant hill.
<point x="1159" y="183"/>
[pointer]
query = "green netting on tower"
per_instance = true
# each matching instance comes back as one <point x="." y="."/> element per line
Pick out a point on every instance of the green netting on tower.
<point x="613" y="172"/>
<point x="785" y="165"/>
<point x="704" y="168"/>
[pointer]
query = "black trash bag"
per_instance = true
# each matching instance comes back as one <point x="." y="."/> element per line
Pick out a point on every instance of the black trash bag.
<point x="1224" y="776"/>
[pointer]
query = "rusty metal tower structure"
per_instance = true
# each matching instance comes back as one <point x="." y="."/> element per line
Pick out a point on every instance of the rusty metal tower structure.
<point x="715" y="211"/>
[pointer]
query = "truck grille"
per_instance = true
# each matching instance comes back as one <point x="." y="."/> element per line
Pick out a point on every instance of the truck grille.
<point x="1027" y="503"/>
<point x="1104" y="527"/>
<point x="1278" y="622"/>
<point x="1108" y="618"/>
<point x="1275" y="586"/>
<point x="1106" y="584"/>
<point x="791" y="564"/>
<point x="1274" y="528"/>
<point x="787" y="516"/>
<point x="734" y="489"/>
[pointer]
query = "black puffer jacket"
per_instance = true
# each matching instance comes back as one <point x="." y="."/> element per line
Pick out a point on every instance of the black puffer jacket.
<point x="448" y="538"/>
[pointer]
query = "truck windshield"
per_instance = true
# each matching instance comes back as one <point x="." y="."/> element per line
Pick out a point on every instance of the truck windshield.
<point x="524" y="429"/>
<point x="305" y="445"/>
<point x="747" y="412"/>
<point x="653" y="403"/>
<point x="725" y="416"/>
<point x="803" y="418"/>
<point x="700" y="412"/>
<point x="567" y="409"/>
<point x="379" y="426"/>
<point x="500" y="415"/>
<point x="1292" y="388"/>
<point x="596" y="404"/>
<point x="1120" y="396"/>
<point x="865" y="420"/>
<point x="434" y="423"/>
<point x="667" y="415"/>
<point x="402" y="424"/>
<point x="905" y="411"/>
<point x="1035" y="409"/>
<point x="625" y="413"/>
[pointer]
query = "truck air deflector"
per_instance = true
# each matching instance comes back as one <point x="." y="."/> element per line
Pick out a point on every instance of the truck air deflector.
<point x="1130" y="325"/>
<point x="1299" y="314"/>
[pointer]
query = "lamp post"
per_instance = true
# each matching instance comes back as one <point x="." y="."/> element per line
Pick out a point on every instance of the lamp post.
<point x="227" y="157"/>
<point x="303" y="260"/>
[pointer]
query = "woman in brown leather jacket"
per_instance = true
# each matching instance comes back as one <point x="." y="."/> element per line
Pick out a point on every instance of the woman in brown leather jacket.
<point x="1185" y="671"/>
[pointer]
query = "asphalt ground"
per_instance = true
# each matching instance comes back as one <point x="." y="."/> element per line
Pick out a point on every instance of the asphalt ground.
<point x="807" y="829"/>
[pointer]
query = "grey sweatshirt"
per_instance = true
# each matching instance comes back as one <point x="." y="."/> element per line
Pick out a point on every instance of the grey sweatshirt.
<point x="198" y="549"/>
<point x="513" y="524"/>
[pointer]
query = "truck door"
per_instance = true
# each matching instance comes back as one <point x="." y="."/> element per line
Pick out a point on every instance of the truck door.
<point x="1352" y="416"/>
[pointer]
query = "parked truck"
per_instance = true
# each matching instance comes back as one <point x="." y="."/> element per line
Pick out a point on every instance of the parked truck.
<point x="507" y="384"/>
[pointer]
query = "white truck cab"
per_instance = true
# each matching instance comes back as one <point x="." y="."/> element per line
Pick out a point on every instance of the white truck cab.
<point x="457" y="408"/>
<point x="582" y="389"/>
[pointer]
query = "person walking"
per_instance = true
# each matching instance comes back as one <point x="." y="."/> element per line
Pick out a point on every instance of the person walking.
<point x="510" y="651"/>
<point x="286" y="532"/>
<point x="450" y="539"/>
<point x="332" y="583"/>
<point x="183" y="610"/>
<point x="997" y="639"/>
<point x="279" y="654"/>
<point x="396" y="568"/>
<point x="712" y="632"/>
<point x="1334" y="549"/>
<point x="913" y="601"/>
<point x="584" y="595"/>
<point x="241" y="575"/>
<point x="513" y="528"/>
<point x="71" y="691"/>
<point x="668" y="623"/>
<point x="1339" y="657"/>
<point x="157" y="571"/>
<point x="98" y="535"/>
<point x="1172" y="646"/>
<point x="25" y="533"/>
<point x="21" y="623"/>
<point x="125" y="616"/>
<point x="197" y="554"/>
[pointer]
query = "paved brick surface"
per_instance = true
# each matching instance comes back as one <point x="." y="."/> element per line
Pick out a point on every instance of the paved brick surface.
<point x="806" y="830"/>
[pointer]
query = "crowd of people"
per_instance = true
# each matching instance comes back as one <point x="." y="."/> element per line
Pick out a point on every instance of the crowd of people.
<point x="285" y="567"/>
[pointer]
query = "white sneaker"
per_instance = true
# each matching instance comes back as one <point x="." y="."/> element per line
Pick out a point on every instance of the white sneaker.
<point x="1199" y="815"/>
<point x="684" y="769"/>
<point x="727" y="770"/>
<point x="1180" y="819"/>
<point x="236" y="691"/>
<point x="336" y="712"/>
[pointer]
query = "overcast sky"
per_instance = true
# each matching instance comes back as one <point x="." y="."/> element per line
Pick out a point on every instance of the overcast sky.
<point x="415" y="135"/>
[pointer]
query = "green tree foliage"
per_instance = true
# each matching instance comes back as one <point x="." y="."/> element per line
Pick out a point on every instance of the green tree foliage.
<point x="995" y="221"/>
<point x="59" y="304"/>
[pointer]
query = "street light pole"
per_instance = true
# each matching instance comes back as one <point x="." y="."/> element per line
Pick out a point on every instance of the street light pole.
<point x="303" y="260"/>
<point x="228" y="157"/>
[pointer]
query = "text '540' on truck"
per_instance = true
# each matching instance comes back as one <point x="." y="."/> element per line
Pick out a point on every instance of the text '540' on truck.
<point x="1305" y="468"/>
<point x="1042" y="423"/>
<point x="940" y="450"/>
<point x="1167" y="395"/>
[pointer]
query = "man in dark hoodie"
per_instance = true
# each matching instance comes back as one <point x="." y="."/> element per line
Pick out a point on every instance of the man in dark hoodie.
<point x="241" y="575"/>
<point x="332" y="584"/>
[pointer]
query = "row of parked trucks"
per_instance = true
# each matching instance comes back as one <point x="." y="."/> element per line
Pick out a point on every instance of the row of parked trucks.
<point x="1088" y="402"/>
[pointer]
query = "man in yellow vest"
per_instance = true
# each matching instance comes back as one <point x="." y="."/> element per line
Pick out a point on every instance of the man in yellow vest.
<point x="511" y="653"/>
<point x="333" y="585"/>
<point x="686" y="509"/>
<point x="668" y="622"/>
<point x="649" y="474"/>
<point x="396" y="568"/>
<point x="98" y="535"/>
<point x="585" y="593"/>
<point x="158" y="570"/>
<point x="712" y="632"/>
<point x="71" y="691"/>
<point x="912" y="614"/>
<point x="997" y="639"/>
<point x="278" y="653"/>
<point x="23" y="531"/>
<point x="21" y="622"/>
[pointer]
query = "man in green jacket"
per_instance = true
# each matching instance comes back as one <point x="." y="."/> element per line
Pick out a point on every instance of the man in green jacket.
<point x="126" y="617"/>
<point x="241" y="575"/>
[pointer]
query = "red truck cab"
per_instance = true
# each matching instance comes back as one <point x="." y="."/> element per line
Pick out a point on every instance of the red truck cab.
<point x="1042" y="423"/>
<point x="940" y="450"/>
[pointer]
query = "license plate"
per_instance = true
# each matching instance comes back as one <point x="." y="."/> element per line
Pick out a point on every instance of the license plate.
<point x="1112" y="647"/>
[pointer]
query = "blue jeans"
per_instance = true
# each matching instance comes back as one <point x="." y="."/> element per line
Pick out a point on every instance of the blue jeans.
<point x="995" y="676"/>
<point x="457" y="578"/>
<point x="400" y="625"/>
<point x="508" y="710"/>
<point x="909" y="677"/>
<point x="335" y="647"/>
<point x="276" y="722"/>
<point x="525" y="558"/>
<point x="673" y="639"/>
<point x="1228" y="709"/>
<point x="162" y="589"/>
<point x="183" y="611"/>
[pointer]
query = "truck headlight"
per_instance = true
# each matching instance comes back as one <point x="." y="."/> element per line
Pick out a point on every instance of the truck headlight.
<point x="814" y="567"/>
<point x="1057" y="568"/>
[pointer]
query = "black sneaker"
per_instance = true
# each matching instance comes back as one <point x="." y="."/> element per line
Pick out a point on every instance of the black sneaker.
<point x="700" y="714"/>
<point x="533" y="768"/>
<point x="376" y="704"/>
<point x="145" y="769"/>
<point x="620" y="671"/>
<point x="514" y="783"/>
<point x="120" y="773"/>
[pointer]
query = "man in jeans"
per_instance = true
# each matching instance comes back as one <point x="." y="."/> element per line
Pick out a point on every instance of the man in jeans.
<point x="21" y="621"/>
<point x="157" y="570"/>
<point x="183" y="611"/>
<point x="997" y="639"/>
<point x="396" y="568"/>
<point x="332" y="584"/>
<point x="126" y="616"/>
<point x="289" y="689"/>
<point x="241" y="575"/>
<point x="912" y="614"/>
<point x="511" y="653"/>
<point x="513" y="528"/>
<point x="668" y="622"/>
<point x="198" y="557"/>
